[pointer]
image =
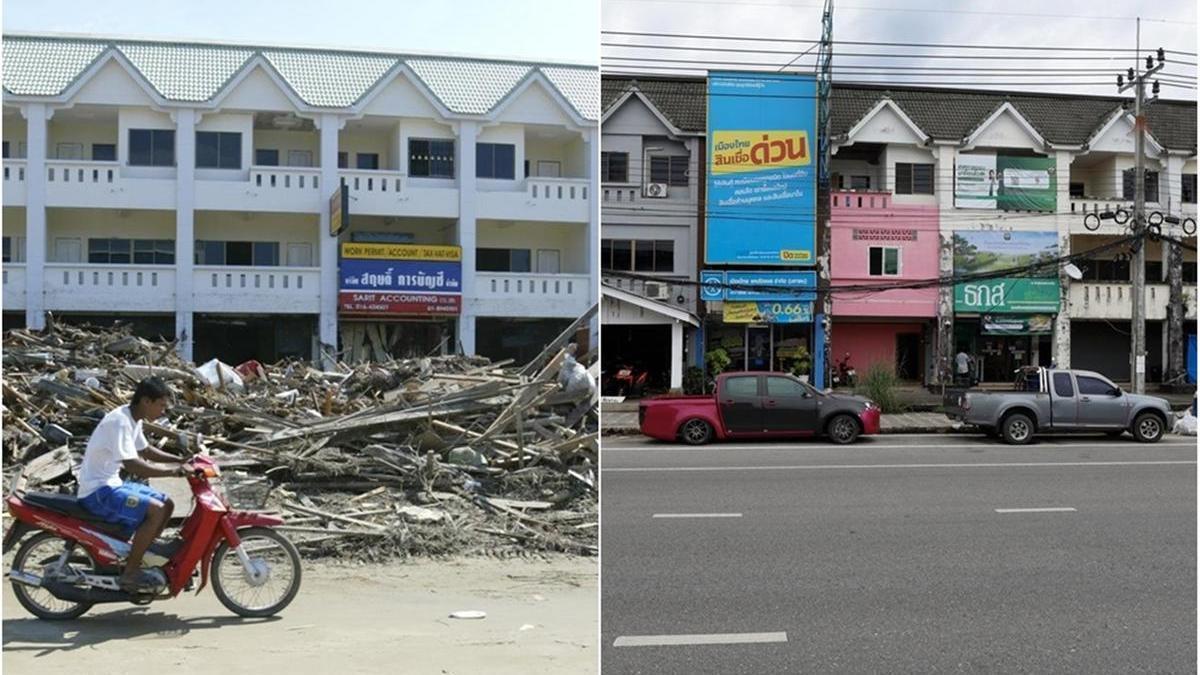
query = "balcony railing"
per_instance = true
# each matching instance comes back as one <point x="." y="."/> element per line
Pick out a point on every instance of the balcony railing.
<point x="544" y="199"/>
<point x="530" y="294"/>
<point x="1097" y="300"/>
<point x="14" y="286"/>
<point x="14" y="182"/>
<point x="77" y="287"/>
<point x="273" y="290"/>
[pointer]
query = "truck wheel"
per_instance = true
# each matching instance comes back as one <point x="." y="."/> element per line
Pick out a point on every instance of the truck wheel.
<point x="696" y="432"/>
<point x="842" y="429"/>
<point x="1017" y="429"/>
<point x="1147" y="428"/>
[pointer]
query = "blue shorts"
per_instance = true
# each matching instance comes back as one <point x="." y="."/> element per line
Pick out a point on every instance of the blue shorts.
<point x="125" y="505"/>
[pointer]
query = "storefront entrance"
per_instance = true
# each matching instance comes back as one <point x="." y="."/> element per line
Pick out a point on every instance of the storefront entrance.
<point x="997" y="357"/>
<point x="780" y="347"/>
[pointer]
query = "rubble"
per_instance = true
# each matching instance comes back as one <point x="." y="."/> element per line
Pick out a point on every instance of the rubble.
<point x="422" y="456"/>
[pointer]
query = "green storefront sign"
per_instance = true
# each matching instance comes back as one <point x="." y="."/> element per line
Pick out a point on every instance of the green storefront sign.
<point x="1008" y="296"/>
<point x="1017" y="324"/>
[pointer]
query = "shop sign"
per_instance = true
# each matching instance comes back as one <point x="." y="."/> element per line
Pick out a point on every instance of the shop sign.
<point x="1017" y="324"/>
<point x="761" y="179"/>
<point x="385" y="304"/>
<point x="1005" y="182"/>
<point x="359" y="250"/>
<point x="414" y="276"/>
<point x="716" y="285"/>
<point x="339" y="210"/>
<point x="1008" y="296"/>
<point x="767" y="312"/>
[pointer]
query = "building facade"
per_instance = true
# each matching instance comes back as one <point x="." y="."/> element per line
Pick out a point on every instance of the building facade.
<point x="194" y="190"/>
<point x="903" y="212"/>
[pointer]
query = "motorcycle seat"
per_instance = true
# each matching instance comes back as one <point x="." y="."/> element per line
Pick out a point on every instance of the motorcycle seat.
<point x="68" y="505"/>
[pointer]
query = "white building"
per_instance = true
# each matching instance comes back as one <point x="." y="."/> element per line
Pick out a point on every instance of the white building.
<point x="186" y="188"/>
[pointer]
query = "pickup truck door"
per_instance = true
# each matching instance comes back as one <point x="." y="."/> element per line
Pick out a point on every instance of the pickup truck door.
<point x="1064" y="406"/>
<point x="1102" y="404"/>
<point x="789" y="406"/>
<point x="740" y="403"/>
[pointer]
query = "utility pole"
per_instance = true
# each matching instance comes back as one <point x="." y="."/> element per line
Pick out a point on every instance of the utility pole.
<point x="824" y="194"/>
<point x="1137" y="81"/>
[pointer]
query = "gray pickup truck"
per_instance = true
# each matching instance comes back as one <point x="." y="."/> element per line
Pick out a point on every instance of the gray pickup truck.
<point x="1047" y="400"/>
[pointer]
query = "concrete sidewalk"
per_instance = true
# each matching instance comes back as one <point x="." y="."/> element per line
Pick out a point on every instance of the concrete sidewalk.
<point x="618" y="421"/>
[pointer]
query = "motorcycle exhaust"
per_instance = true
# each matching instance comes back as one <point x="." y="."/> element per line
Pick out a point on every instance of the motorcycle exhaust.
<point x="25" y="578"/>
<point x="72" y="593"/>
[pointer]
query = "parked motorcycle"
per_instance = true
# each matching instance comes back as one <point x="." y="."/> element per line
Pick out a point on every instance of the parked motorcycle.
<point x="845" y="372"/>
<point x="73" y="560"/>
<point x="627" y="381"/>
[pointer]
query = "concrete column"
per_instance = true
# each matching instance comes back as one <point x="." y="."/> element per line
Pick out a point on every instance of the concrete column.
<point x="677" y="355"/>
<point x="185" y="230"/>
<point x="329" y="125"/>
<point x="1061" y="350"/>
<point x="36" y="115"/>
<point x="467" y="133"/>
<point x="591" y="149"/>
<point x="944" y="345"/>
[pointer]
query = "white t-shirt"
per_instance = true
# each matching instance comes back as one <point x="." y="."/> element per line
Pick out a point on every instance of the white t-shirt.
<point x="116" y="439"/>
<point x="963" y="361"/>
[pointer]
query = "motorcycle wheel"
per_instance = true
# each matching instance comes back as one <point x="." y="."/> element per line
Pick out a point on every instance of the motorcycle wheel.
<point x="240" y="594"/>
<point x="37" y="553"/>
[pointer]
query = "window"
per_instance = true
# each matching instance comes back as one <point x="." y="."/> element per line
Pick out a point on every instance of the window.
<point x="7" y="257"/>
<point x="614" y="167"/>
<point x="266" y="157"/>
<point x="671" y="170"/>
<point x="639" y="255"/>
<point x="503" y="260"/>
<point x="914" y="179"/>
<point x="884" y="261"/>
<point x="1189" y="188"/>
<point x="1075" y="190"/>
<point x="4" y="153"/>
<point x="367" y="160"/>
<point x="1106" y="270"/>
<point x="495" y="160"/>
<point x="301" y="158"/>
<point x="154" y="251"/>
<point x="151" y="147"/>
<point x="110" y="251"/>
<point x="1094" y="386"/>
<point x="1189" y="273"/>
<point x="343" y="160"/>
<point x="1063" y="386"/>
<point x="14" y="249"/>
<point x="742" y="386"/>
<point x="126" y="251"/>
<point x="1154" y="271"/>
<point x="104" y="152"/>
<point x="69" y="151"/>
<point x="860" y="182"/>
<point x="784" y="386"/>
<point x="218" y="150"/>
<point x="430" y="158"/>
<point x="1151" y="186"/>
<point x="257" y="253"/>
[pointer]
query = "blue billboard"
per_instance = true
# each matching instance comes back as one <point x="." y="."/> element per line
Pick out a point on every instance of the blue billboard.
<point x="762" y="169"/>
<point x="777" y="286"/>
<point x="411" y="276"/>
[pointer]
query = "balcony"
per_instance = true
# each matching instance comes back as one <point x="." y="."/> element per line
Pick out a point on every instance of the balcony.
<point x="539" y="199"/>
<point x="286" y="189"/>
<point x="86" y="184"/>
<point x="1114" y="301"/>
<point x="273" y="290"/>
<point x="14" y="183"/>
<point x="14" y="286"/>
<point x="75" y="287"/>
<point x="526" y="294"/>
<point x="392" y="193"/>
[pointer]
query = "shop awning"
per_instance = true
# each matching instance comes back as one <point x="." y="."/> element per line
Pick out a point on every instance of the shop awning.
<point x="655" y="306"/>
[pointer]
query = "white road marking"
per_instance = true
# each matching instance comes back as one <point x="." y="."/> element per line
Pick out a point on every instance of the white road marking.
<point x="710" y="639"/>
<point x="1044" y="509"/>
<point x="825" y="467"/>
<point x="606" y="447"/>
<point x="697" y="515"/>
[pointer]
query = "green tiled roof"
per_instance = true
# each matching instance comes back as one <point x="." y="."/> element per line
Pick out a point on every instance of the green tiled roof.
<point x="944" y="114"/>
<point x="190" y="72"/>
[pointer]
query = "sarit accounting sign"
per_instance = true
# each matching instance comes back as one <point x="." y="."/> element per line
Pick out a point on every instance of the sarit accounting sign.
<point x="716" y="285"/>
<point x="1004" y="182"/>
<point x="399" y="279"/>
<point x="982" y="252"/>
<point x="761" y="169"/>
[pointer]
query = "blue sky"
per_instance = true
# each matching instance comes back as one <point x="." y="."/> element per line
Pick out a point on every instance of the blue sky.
<point x="543" y="30"/>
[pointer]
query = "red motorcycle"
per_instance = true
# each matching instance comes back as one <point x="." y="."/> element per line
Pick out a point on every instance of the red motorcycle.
<point x="628" y="381"/>
<point x="74" y="560"/>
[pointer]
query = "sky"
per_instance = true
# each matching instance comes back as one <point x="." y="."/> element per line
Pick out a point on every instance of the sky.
<point x="1085" y="23"/>
<point x="538" y="30"/>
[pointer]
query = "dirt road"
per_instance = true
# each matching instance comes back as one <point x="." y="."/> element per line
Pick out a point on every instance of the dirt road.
<point x="542" y="617"/>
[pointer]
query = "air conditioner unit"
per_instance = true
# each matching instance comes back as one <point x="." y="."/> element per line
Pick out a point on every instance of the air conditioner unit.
<point x="657" y="290"/>
<point x="655" y="190"/>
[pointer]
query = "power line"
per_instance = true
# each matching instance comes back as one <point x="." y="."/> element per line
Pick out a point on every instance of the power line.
<point x="881" y="67"/>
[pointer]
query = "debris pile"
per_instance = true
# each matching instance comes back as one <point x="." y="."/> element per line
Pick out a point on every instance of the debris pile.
<point x="427" y="456"/>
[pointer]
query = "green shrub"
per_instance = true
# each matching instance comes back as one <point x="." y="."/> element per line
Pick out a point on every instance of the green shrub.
<point x="693" y="380"/>
<point x="879" y="384"/>
<point x="717" y="361"/>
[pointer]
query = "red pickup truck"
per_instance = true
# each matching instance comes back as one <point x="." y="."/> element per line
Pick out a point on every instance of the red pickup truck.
<point x="758" y="405"/>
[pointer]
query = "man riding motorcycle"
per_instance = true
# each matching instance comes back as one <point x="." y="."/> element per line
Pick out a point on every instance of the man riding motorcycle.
<point x="118" y="442"/>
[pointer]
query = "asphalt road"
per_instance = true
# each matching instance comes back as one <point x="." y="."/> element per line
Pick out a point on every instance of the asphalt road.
<point x="899" y="554"/>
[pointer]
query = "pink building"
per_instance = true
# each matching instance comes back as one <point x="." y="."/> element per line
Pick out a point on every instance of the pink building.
<point x="875" y="241"/>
